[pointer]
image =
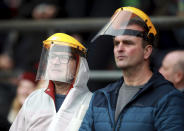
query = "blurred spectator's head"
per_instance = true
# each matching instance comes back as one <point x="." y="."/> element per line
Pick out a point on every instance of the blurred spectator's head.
<point x="44" y="11"/>
<point x="26" y="85"/>
<point x="173" y="68"/>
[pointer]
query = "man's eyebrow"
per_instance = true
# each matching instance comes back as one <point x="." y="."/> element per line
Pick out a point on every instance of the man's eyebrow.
<point x="114" y="40"/>
<point x="127" y="40"/>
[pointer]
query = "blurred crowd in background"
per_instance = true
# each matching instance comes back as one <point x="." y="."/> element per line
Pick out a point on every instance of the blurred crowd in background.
<point x="20" y="51"/>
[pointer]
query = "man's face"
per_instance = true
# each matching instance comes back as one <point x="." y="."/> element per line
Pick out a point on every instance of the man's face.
<point x="61" y="66"/>
<point x="128" y="50"/>
<point x="167" y="68"/>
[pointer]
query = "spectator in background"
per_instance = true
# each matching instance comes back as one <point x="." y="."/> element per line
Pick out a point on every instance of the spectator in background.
<point x="41" y="9"/>
<point x="142" y="100"/>
<point x="173" y="68"/>
<point x="26" y="85"/>
<point x="9" y="8"/>
<point x="63" y="103"/>
<point x="21" y="45"/>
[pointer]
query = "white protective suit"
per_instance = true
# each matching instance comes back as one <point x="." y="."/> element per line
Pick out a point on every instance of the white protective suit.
<point x="39" y="114"/>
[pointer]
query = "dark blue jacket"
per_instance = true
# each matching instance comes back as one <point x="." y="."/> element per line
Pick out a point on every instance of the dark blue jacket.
<point x="158" y="106"/>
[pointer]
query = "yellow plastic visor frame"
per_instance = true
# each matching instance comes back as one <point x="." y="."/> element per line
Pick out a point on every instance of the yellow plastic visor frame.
<point x="47" y="44"/>
<point x="143" y="16"/>
<point x="120" y="20"/>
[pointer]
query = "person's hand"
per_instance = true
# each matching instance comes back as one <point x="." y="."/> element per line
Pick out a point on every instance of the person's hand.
<point x="44" y="11"/>
<point x="6" y="62"/>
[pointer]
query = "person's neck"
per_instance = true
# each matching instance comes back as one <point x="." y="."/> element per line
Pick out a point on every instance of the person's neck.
<point x="62" y="88"/>
<point x="180" y="86"/>
<point x="137" y="76"/>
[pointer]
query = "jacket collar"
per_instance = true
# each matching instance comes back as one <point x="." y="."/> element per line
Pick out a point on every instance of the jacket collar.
<point x="113" y="86"/>
<point x="150" y="84"/>
<point x="51" y="90"/>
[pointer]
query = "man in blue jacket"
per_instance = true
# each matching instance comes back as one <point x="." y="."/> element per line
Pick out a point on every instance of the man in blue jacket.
<point x="142" y="100"/>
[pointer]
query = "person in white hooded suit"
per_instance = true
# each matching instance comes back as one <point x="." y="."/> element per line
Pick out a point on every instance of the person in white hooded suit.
<point x="63" y="103"/>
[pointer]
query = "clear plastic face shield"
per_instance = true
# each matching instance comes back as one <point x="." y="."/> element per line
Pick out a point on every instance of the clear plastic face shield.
<point x="121" y="21"/>
<point x="57" y="63"/>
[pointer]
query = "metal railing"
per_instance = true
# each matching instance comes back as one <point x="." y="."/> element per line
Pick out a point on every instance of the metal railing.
<point x="105" y="75"/>
<point x="95" y="75"/>
<point x="80" y="25"/>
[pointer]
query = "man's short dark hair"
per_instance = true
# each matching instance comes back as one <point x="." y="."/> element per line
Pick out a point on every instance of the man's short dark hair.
<point x="149" y="39"/>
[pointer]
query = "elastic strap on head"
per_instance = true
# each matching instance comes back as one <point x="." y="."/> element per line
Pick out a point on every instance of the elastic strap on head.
<point x="141" y="34"/>
<point x="149" y="38"/>
<point x="135" y="33"/>
<point x="130" y="32"/>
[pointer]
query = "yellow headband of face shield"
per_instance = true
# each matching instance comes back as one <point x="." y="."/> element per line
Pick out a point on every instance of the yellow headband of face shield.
<point x="64" y="40"/>
<point x="143" y="16"/>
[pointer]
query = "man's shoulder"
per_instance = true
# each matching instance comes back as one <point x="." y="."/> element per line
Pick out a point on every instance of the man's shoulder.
<point x="38" y="100"/>
<point x="101" y="96"/>
<point x="37" y="92"/>
<point x="35" y="95"/>
<point x="159" y="85"/>
<point x="111" y="86"/>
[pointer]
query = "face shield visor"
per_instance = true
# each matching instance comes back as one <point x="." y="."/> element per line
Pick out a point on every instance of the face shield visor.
<point x="58" y="63"/>
<point x="125" y="17"/>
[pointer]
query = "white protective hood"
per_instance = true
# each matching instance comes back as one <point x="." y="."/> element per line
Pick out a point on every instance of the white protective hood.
<point x="75" y="105"/>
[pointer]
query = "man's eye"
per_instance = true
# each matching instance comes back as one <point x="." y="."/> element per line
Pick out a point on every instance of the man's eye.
<point x="128" y="42"/>
<point x="116" y="43"/>
<point x="64" y="57"/>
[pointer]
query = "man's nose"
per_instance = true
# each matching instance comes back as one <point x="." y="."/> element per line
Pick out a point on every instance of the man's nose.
<point x="56" y="60"/>
<point x="120" y="47"/>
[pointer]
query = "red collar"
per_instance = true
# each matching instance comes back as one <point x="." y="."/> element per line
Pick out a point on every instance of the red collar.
<point x="51" y="90"/>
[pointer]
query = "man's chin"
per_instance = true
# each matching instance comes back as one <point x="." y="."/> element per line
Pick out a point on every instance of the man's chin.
<point x="121" y="66"/>
<point x="64" y="80"/>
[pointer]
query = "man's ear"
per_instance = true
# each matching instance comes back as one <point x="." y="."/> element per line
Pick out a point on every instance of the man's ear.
<point x="178" y="77"/>
<point x="147" y="51"/>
